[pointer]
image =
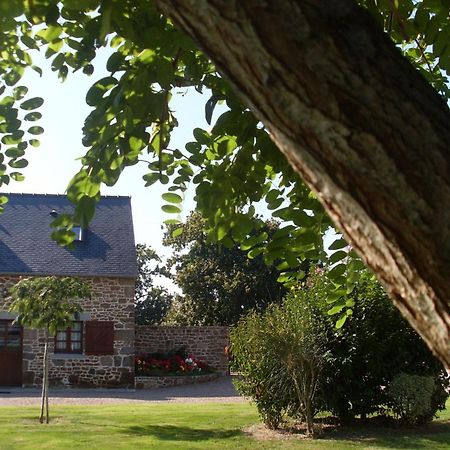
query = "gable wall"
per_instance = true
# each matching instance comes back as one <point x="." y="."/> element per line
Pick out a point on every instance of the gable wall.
<point x="112" y="300"/>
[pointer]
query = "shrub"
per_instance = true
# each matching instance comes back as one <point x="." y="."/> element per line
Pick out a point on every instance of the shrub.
<point x="263" y="377"/>
<point x="280" y="355"/>
<point x="375" y="345"/>
<point x="410" y="397"/>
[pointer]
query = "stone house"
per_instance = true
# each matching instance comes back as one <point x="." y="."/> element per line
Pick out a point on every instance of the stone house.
<point x="98" y="348"/>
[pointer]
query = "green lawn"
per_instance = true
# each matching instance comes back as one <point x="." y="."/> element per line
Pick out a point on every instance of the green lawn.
<point x="182" y="426"/>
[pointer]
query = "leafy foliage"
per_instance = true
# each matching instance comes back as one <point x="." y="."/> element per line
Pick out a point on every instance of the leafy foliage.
<point x="219" y="284"/>
<point x="233" y="166"/>
<point x="47" y="302"/>
<point x="351" y="367"/>
<point x="263" y="376"/>
<point x="375" y="345"/>
<point x="280" y="354"/>
<point x="151" y="301"/>
<point x="409" y="402"/>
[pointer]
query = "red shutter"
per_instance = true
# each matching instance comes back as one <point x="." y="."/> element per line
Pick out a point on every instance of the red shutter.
<point x="99" y="338"/>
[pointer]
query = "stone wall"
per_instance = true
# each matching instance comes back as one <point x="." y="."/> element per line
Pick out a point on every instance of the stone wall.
<point x="162" y="382"/>
<point x="206" y="343"/>
<point x="112" y="300"/>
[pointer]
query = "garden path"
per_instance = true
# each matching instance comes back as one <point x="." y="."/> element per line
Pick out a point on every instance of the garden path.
<point x="220" y="390"/>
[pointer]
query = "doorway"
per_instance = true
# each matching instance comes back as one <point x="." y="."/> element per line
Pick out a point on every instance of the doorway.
<point x="10" y="354"/>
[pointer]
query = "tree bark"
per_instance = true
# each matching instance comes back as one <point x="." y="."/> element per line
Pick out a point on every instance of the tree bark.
<point x="44" y="398"/>
<point x="358" y="123"/>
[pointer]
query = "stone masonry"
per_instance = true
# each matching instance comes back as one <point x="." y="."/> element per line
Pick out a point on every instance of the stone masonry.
<point x="206" y="343"/>
<point x="112" y="300"/>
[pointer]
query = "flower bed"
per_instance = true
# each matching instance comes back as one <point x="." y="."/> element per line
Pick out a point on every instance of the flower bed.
<point x="174" y="363"/>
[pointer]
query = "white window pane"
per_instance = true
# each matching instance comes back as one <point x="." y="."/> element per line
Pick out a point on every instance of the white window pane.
<point x="76" y="346"/>
<point x="76" y="336"/>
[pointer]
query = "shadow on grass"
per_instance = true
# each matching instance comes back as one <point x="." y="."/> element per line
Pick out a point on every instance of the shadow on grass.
<point x="387" y="437"/>
<point x="172" y="432"/>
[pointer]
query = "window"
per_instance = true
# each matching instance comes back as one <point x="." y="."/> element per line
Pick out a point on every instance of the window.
<point x="10" y="336"/>
<point x="70" y="340"/>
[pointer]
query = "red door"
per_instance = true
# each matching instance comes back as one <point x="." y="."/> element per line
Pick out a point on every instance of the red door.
<point x="10" y="354"/>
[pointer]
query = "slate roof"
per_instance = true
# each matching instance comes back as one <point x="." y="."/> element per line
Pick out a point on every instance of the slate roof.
<point x="107" y="248"/>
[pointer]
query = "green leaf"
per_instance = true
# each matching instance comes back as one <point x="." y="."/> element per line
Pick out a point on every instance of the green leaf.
<point x="18" y="164"/>
<point x="340" y="322"/>
<point x="335" y="309"/>
<point x="32" y="103"/>
<point x="177" y="232"/>
<point x="171" y="209"/>
<point x="29" y="42"/>
<point x="150" y="178"/>
<point x="338" y="244"/>
<point x="222" y="230"/>
<point x="20" y="92"/>
<point x="272" y="195"/>
<point x="172" y="221"/>
<point x="136" y="143"/>
<point x="85" y="210"/>
<point x="17" y="176"/>
<point x="114" y="62"/>
<point x="34" y="142"/>
<point x="202" y="136"/>
<point x="35" y="130"/>
<point x="50" y="33"/>
<point x="32" y="116"/>
<point x="98" y="90"/>
<point x="275" y="204"/>
<point x="14" y="152"/>
<point x="356" y="264"/>
<point x="172" y="197"/>
<point x="337" y="271"/>
<point x="350" y="303"/>
<point x="337" y="256"/>
<point x="253" y="253"/>
<point x="209" y="107"/>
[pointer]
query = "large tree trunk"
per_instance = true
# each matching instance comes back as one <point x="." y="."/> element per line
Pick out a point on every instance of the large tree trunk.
<point x="361" y="126"/>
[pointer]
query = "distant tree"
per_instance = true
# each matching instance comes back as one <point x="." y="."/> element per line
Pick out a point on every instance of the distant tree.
<point x="151" y="301"/>
<point x="47" y="303"/>
<point x="220" y="284"/>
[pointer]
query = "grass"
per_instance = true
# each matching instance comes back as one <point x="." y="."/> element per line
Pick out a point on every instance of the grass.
<point x="188" y="426"/>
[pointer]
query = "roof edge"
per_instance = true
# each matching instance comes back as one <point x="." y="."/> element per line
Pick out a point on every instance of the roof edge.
<point x="34" y="194"/>
<point x="48" y="274"/>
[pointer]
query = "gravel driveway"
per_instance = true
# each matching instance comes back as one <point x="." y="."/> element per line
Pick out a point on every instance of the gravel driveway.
<point x="220" y="390"/>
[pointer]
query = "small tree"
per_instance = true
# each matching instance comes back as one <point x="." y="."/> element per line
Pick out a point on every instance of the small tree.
<point x="47" y="303"/>
<point x="280" y="354"/>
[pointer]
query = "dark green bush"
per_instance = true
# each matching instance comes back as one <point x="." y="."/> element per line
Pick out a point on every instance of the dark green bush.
<point x="410" y="397"/>
<point x="277" y="351"/>
<point x="375" y="345"/>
